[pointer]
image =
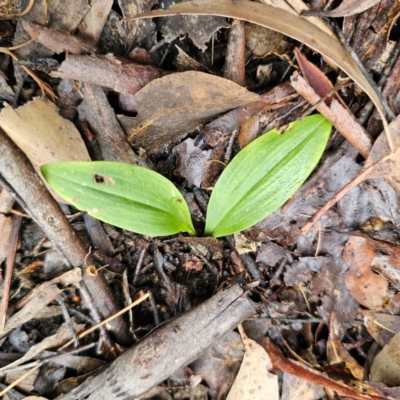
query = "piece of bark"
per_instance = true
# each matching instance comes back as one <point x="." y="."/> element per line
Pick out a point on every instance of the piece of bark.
<point x="110" y="142"/>
<point x="235" y="53"/>
<point x="340" y="117"/>
<point x="16" y="169"/>
<point x="118" y="74"/>
<point x="168" y="349"/>
<point x="9" y="268"/>
<point x="63" y="16"/>
<point x="58" y="41"/>
<point x="94" y="20"/>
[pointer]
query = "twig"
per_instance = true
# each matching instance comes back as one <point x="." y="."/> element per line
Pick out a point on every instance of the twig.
<point x="38" y="364"/>
<point x="102" y="323"/>
<point x="383" y="101"/>
<point x="16" y="223"/>
<point x="68" y="320"/>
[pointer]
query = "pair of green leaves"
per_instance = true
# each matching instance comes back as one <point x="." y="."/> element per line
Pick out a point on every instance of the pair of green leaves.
<point x="259" y="180"/>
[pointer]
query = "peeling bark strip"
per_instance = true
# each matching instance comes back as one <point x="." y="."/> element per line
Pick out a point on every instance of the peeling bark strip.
<point x="182" y="340"/>
<point x="17" y="170"/>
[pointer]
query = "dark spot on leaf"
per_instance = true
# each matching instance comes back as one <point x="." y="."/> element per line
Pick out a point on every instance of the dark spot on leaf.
<point x="98" y="178"/>
<point x="102" y="179"/>
<point x="179" y="200"/>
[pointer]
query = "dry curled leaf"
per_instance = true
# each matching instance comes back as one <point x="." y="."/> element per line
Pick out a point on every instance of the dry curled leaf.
<point x="200" y="98"/>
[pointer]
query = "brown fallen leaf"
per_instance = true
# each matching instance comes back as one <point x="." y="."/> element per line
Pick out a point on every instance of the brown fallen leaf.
<point x="118" y="74"/>
<point x="385" y="367"/>
<point x="42" y="134"/>
<point x="200" y="97"/>
<point x="369" y="289"/>
<point x="338" y="354"/>
<point x="58" y="41"/>
<point x="289" y="24"/>
<point x="199" y="29"/>
<point x="337" y="114"/>
<point x="316" y="79"/>
<point x="254" y="381"/>
<point x="345" y="9"/>
<point x="296" y="388"/>
<point x="381" y="163"/>
<point x="280" y="362"/>
<point x="382" y="327"/>
<point x="136" y="31"/>
<point x="219" y="364"/>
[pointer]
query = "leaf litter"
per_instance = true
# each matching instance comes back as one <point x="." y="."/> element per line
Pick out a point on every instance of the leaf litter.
<point x="324" y="293"/>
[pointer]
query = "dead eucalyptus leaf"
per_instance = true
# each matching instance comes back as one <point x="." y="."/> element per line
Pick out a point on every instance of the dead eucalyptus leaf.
<point x="381" y="163"/>
<point x="287" y="23"/>
<point x="42" y="134"/>
<point x="254" y="381"/>
<point x="176" y="104"/>
<point x="345" y="9"/>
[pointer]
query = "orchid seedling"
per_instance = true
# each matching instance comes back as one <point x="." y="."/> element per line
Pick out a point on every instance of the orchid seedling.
<point x="259" y="180"/>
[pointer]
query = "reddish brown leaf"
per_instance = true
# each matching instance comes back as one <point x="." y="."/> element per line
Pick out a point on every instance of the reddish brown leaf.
<point x="338" y="115"/>
<point x="369" y="289"/>
<point x="316" y="78"/>
<point x="302" y="371"/>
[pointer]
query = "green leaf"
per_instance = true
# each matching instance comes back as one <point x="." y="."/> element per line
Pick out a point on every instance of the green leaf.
<point x="124" y="195"/>
<point x="264" y="175"/>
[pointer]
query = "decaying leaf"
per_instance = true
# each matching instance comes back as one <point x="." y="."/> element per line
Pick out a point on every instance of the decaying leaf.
<point x="369" y="289"/>
<point x="199" y="29"/>
<point x="199" y="97"/>
<point x="385" y="367"/>
<point x="287" y="23"/>
<point x="345" y="9"/>
<point x="127" y="196"/>
<point x="382" y="327"/>
<point x="254" y="381"/>
<point x="337" y="114"/>
<point x="338" y="354"/>
<point x="137" y="30"/>
<point x="42" y="134"/>
<point x="381" y="163"/>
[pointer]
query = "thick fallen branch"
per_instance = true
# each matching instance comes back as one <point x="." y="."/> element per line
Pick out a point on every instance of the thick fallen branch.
<point x="17" y="170"/>
<point x="176" y="344"/>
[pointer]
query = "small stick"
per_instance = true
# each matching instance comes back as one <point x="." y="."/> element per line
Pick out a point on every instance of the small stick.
<point x="16" y="224"/>
<point x="102" y="323"/>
